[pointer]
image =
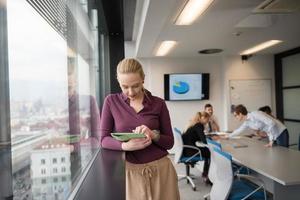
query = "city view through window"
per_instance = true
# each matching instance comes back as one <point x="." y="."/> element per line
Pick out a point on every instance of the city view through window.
<point x="54" y="116"/>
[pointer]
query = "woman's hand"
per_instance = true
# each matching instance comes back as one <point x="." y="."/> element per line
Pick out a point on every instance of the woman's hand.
<point x="146" y="131"/>
<point x="136" y="144"/>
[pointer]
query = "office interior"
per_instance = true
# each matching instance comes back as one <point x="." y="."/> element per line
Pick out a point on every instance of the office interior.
<point x="58" y="61"/>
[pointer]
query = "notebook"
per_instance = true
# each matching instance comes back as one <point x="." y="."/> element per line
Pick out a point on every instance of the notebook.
<point x="127" y="136"/>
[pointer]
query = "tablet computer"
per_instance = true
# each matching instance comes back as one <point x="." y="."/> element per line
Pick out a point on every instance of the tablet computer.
<point x="127" y="136"/>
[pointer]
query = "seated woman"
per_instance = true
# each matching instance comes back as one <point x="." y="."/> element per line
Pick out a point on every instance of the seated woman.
<point x="195" y="133"/>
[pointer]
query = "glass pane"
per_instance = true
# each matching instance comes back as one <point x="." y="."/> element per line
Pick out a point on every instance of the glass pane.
<point x="54" y="114"/>
<point x="294" y="131"/>
<point x="291" y="103"/>
<point x="291" y="70"/>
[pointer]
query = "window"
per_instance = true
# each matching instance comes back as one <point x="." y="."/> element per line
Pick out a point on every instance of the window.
<point x="63" y="169"/>
<point x="43" y="171"/>
<point x="288" y="92"/>
<point x="52" y="86"/>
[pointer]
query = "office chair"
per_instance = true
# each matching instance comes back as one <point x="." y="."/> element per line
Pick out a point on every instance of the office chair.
<point x="237" y="169"/>
<point x="212" y="167"/>
<point x="226" y="187"/>
<point x="213" y="144"/>
<point x="212" y="173"/>
<point x="189" y="161"/>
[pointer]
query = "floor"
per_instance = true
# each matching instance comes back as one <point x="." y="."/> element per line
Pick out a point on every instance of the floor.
<point x="186" y="191"/>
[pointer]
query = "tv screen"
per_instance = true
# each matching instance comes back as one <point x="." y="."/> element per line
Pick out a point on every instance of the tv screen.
<point x="181" y="87"/>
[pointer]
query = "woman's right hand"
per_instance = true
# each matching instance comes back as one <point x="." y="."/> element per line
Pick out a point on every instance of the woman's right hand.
<point x="136" y="144"/>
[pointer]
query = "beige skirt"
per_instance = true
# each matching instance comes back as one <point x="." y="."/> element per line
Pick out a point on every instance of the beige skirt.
<point x="156" y="180"/>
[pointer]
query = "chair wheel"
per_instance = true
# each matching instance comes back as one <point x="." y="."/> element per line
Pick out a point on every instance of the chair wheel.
<point x="194" y="189"/>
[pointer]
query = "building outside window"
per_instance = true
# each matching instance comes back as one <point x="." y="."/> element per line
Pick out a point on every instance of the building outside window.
<point x="53" y="111"/>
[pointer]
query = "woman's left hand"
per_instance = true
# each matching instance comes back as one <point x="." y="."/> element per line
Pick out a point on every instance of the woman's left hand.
<point x="145" y="130"/>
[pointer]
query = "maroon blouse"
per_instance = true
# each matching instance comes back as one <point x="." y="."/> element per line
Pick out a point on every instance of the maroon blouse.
<point x="118" y="116"/>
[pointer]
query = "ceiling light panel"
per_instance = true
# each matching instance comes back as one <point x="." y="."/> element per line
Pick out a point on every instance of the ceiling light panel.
<point x="165" y="47"/>
<point x="260" y="47"/>
<point x="191" y="11"/>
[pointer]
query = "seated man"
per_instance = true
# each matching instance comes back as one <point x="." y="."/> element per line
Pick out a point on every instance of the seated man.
<point x="212" y="125"/>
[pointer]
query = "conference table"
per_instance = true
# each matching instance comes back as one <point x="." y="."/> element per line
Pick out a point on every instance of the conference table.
<point x="278" y="167"/>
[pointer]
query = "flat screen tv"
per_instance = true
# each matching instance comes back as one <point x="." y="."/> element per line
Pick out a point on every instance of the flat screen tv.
<point x="183" y="87"/>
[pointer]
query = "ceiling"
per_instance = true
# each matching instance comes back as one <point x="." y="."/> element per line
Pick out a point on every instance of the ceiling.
<point x="230" y="25"/>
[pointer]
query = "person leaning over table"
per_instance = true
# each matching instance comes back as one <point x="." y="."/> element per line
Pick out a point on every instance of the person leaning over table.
<point x="260" y="121"/>
<point x="266" y="109"/>
<point x="149" y="172"/>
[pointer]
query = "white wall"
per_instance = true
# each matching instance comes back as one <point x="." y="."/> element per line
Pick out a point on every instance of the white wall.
<point x="221" y="69"/>
<point x="257" y="67"/>
<point x="181" y="112"/>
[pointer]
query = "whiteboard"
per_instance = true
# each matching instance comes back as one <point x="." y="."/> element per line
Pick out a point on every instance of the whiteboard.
<point x="253" y="94"/>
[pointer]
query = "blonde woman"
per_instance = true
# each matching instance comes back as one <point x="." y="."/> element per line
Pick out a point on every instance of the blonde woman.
<point x="149" y="172"/>
<point x="195" y="133"/>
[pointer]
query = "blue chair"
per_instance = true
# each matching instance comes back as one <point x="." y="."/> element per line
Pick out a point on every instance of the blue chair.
<point x="189" y="161"/>
<point x="212" y="168"/>
<point x="212" y="143"/>
<point x="212" y="173"/>
<point x="237" y="169"/>
<point x="226" y="187"/>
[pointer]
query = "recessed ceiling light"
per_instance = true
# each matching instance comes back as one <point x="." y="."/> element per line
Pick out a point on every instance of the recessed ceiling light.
<point x="191" y="11"/>
<point x="165" y="47"/>
<point x="210" y="51"/>
<point x="260" y="47"/>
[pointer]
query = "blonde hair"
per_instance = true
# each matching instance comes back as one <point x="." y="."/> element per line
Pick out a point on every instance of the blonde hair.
<point x="130" y="65"/>
<point x="197" y="118"/>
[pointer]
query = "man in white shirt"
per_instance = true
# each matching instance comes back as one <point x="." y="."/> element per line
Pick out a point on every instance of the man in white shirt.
<point x="212" y="125"/>
<point x="260" y="121"/>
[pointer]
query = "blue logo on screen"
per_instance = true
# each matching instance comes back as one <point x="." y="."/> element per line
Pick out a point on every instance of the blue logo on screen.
<point x="181" y="87"/>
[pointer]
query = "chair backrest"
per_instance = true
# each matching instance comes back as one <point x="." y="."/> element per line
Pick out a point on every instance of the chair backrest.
<point x="212" y="173"/>
<point x="224" y="175"/>
<point x="178" y="145"/>
<point x="213" y="144"/>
